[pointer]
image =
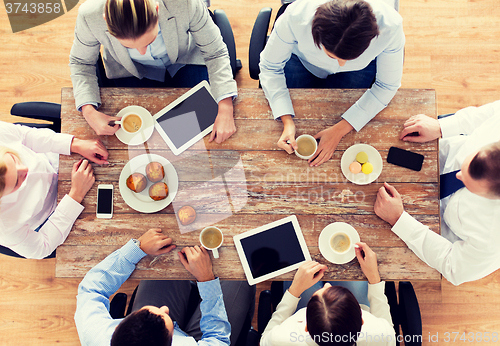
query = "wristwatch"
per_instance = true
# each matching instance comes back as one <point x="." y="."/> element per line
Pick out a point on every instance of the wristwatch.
<point x="137" y="242"/>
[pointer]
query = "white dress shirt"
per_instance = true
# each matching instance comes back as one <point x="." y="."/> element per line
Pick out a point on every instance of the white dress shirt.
<point x="468" y="247"/>
<point x="292" y="33"/>
<point x="288" y="328"/>
<point x="24" y="210"/>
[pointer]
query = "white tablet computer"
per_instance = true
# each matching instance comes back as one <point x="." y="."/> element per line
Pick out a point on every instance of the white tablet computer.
<point x="188" y="119"/>
<point x="272" y="250"/>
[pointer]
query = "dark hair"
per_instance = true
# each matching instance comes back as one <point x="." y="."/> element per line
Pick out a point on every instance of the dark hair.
<point x="344" y="27"/>
<point x="130" y="19"/>
<point x="142" y="328"/>
<point x="334" y="317"/>
<point x="486" y="165"/>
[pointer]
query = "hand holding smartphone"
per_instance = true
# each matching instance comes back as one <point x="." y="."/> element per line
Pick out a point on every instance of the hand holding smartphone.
<point x="104" y="201"/>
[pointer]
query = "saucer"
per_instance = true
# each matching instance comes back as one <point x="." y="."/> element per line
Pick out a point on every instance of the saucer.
<point x="350" y="156"/>
<point x="324" y="242"/>
<point x="147" y="128"/>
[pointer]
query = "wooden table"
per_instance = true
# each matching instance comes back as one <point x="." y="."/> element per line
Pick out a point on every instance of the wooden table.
<point x="274" y="184"/>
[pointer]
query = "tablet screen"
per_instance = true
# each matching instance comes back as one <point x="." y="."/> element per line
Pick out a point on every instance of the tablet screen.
<point x="272" y="250"/>
<point x="189" y="118"/>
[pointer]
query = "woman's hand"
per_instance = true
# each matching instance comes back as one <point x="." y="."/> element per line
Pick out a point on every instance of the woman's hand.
<point x="99" y="121"/>
<point x="287" y="140"/>
<point x="368" y="262"/>
<point x="307" y="275"/>
<point x="82" y="179"/>
<point x="91" y="149"/>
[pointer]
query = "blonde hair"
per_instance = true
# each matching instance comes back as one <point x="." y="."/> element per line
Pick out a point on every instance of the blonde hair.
<point x="3" y="166"/>
<point x="130" y="19"/>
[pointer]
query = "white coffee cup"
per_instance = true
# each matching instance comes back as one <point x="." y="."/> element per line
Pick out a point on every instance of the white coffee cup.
<point x="340" y="242"/>
<point x="131" y="123"/>
<point x="308" y="143"/>
<point x="211" y="238"/>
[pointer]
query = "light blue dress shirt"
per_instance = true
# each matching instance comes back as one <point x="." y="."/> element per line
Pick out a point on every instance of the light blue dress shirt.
<point x="292" y="33"/>
<point x="156" y="59"/>
<point x="95" y="325"/>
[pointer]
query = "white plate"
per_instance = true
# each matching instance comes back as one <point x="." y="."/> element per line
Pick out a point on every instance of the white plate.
<point x="141" y="201"/>
<point x="146" y="131"/>
<point x="373" y="157"/>
<point x="324" y="242"/>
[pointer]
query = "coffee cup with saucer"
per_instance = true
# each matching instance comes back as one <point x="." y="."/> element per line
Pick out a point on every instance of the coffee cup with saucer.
<point x="334" y="234"/>
<point x="144" y="128"/>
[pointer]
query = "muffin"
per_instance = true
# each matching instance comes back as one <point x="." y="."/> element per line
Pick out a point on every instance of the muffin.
<point x="155" y="172"/>
<point x="186" y="215"/>
<point x="158" y="191"/>
<point x="137" y="182"/>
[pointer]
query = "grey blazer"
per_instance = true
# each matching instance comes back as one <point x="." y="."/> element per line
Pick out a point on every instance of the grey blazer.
<point x="190" y="35"/>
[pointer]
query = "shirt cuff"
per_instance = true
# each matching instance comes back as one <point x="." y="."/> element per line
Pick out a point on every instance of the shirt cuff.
<point x="404" y="226"/>
<point x="449" y="127"/>
<point x="233" y="95"/>
<point x="132" y="252"/>
<point x="61" y="143"/>
<point x="72" y="209"/>
<point x="209" y="289"/>
<point x="96" y="105"/>
<point x="376" y="289"/>
<point x="287" y="296"/>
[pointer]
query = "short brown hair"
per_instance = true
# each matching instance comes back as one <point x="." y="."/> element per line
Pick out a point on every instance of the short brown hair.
<point x="344" y="28"/>
<point x="142" y="328"/>
<point x="334" y="316"/>
<point x="130" y="19"/>
<point x="486" y="166"/>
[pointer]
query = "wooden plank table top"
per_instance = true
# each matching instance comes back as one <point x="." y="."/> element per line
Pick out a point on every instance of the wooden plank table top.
<point x="248" y="181"/>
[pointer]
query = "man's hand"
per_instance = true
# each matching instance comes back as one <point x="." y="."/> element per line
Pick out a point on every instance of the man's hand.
<point x="92" y="149"/>
<point x="287" y="140"/>
<point x="197" y="261"/>
<point x="420" y="128"/>
<point x="328" y="141"/>
<point x="368" y="262"/>
<point x="82" y="179"/>
<point x="307" y="275"/>
<point x="99" y="121"/>
<point x="224" y="123"/>
<point x="155" y="243"/>
<point x="388" y="205"/>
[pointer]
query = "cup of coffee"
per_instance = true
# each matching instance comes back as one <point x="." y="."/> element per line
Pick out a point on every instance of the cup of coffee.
<point x="307" y="146"/>
<point x="340" y="243"/>
<point x="211" y="238"/>
<point x="131" y="123"/>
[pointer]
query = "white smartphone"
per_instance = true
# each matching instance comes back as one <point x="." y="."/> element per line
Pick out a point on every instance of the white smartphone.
<point x="104" y="201"/>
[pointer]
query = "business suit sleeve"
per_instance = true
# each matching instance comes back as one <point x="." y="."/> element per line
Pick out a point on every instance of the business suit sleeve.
<point x="82" y="60"/>
<point x="213" y="49"/>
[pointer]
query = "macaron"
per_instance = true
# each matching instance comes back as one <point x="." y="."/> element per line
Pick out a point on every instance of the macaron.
<point x="362" y="157"/>
<point x="367" y="168"/>
<point x="355" y="167"/>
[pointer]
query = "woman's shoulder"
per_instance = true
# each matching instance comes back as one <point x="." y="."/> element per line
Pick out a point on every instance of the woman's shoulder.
<point x="92" y="8"/>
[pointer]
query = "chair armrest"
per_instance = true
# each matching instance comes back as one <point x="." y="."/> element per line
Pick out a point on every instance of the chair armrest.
<point x="392" y="299"/>
<point x="221" y="20"/>
<point x="445" y="115"/>
<point x="258" y="41"/>
<point x="265" y="310"/>
<point x="411" y="320"/>
<point x="117" y="306"/>
<point x="38" y="110"/>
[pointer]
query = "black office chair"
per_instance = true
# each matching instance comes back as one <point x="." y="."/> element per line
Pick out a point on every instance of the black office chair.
<point x="118" y="304"/>
<point x="406" y="313"/>
<point x="39" y="110"/>
<point x="220" y="19"/>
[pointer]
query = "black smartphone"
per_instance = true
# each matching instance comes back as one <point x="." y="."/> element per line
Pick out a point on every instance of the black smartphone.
<point x="405" y="158"/>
